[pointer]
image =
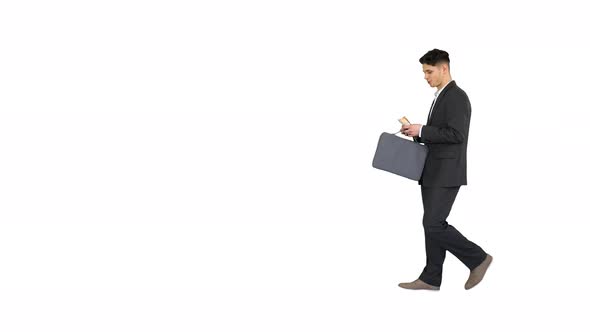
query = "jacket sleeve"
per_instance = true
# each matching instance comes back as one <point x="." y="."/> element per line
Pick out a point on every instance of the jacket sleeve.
<point x="458" y="112"/>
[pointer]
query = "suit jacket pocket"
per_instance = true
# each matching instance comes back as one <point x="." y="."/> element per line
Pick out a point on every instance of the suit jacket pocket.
<point x="444" y="155"/>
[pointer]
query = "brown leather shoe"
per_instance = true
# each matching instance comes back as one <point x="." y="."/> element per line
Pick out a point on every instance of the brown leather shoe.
<point x="418" y="284"/>
<point x="477" y="274"/>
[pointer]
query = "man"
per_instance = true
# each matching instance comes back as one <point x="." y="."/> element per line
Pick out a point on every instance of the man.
<point x="445" y="134"/>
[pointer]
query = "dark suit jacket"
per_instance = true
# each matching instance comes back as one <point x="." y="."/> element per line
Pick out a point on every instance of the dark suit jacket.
<point x="446" y="135"/>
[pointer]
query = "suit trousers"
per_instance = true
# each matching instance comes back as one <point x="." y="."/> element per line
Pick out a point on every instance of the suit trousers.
<point x="439" y="236"/>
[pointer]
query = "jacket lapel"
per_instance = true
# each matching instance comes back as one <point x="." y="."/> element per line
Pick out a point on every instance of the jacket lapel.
<point x="449" y="86"/>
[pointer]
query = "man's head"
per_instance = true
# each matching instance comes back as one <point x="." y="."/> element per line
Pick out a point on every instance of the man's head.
<point x="436" y="68"/>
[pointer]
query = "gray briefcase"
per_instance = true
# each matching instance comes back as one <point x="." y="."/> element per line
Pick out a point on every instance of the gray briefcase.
<point x="400" y="156"/>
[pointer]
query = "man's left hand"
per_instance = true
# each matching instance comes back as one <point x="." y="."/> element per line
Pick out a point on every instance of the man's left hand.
<point x="411" y="130"/>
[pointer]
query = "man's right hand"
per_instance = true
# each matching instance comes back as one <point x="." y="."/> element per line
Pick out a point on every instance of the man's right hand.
<point x="412" y="130"/>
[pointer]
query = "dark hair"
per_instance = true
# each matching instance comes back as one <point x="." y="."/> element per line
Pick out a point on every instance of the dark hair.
<point x="434" y="57"/>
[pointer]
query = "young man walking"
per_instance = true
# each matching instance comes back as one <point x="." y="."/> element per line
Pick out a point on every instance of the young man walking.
<point x="445" y="133"/>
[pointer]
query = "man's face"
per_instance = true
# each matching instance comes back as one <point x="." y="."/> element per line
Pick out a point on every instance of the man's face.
<point x="433" y="74"/>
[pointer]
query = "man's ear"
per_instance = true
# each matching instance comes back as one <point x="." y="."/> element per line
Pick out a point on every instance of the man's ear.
<point x="442" y="67"/>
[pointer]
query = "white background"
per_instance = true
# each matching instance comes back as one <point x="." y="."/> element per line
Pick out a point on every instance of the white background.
<point x="206" y="166"/>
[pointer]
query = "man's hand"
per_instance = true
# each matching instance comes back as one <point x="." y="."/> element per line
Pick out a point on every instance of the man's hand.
<point x="411" y="130"/>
